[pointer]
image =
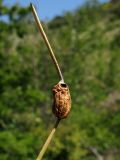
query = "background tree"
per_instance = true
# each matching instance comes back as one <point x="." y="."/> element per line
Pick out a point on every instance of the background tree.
<point x="87" y="44"/>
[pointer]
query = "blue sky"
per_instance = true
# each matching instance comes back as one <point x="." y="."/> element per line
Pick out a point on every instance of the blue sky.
<point x="47" y="9"/>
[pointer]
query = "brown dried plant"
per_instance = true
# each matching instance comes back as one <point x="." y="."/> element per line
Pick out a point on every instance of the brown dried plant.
<point x="61" y="95"/>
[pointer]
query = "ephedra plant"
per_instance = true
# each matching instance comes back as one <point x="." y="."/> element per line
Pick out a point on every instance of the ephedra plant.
<point x="61" y="95"/>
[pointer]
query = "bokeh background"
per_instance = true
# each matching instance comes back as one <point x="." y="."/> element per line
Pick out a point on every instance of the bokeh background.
<point x="85" y="36"/>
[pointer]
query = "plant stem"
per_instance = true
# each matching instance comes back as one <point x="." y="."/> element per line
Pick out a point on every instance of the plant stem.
<point x="47" y="42"/>
<point x="46" y="144"/>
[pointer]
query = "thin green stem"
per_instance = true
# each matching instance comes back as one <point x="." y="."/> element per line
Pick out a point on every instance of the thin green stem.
<point x="46" y="144"/>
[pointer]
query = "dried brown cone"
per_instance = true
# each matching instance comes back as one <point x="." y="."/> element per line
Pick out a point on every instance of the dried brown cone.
<point x="62" y="100"/>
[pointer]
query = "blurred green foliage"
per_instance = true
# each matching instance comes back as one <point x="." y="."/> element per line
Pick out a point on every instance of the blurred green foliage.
<point x="86" y="43"/>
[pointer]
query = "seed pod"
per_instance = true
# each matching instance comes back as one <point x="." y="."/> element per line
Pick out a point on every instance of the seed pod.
<point x="62" y="100"/>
